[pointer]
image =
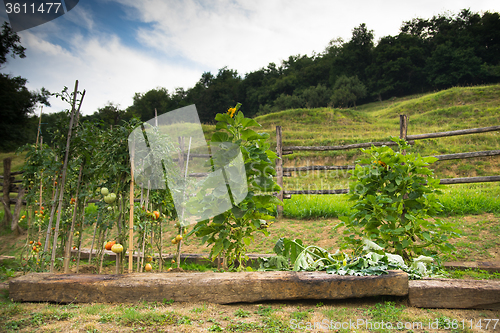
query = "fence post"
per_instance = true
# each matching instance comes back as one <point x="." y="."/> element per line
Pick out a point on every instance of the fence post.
<point x="403" y="128"/>
<point x="279" y="168"/>
<point x="7" y="218"/>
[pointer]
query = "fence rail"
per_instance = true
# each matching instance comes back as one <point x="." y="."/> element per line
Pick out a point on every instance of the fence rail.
<point x="403" y="126"/>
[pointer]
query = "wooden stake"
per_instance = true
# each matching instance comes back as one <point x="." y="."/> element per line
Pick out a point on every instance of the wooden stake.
<point x="131" y="215"/>
<point x="102" y="251"/>
<point x="39" y="126"/>
<point x="67" y="252"/>
<point x="51" y="219"/>
<point x="63" y="180"/>
<point x="93" y="239"/>
<point x="279" y="168"/>
<point x="403" y="128"/>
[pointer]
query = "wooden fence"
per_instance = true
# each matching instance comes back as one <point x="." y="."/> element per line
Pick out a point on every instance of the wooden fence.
<point x="403" y="126"/>
<point x="8" y="183"/>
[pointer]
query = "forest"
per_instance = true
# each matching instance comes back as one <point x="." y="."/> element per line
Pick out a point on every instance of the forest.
<point x="428" y="54"/>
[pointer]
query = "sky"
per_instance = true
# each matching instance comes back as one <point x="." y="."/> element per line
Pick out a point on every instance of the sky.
<point x="116" y="48"/>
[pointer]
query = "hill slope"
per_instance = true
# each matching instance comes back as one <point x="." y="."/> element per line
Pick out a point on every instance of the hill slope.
<point x="452" y="109"/>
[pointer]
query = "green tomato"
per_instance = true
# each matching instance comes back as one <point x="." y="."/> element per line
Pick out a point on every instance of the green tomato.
<point x="117" y="248"/>
<point x="104" y="191"/>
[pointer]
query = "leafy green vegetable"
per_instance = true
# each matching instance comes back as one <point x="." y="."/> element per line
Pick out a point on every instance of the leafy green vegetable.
<point x="294" y="255"/>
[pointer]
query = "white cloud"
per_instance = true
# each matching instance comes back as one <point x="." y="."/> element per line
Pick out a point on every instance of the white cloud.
<point x="81" y="16"/>
<point x="247" y="35"/>
<point x="188" y="37"/>
<point x="105" y="68"/>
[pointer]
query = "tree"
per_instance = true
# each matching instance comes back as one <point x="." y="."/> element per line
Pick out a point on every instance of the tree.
<point x="110" y="114"/>
<point x="315" y="97"/>
<point x="354" y="56"/>
<point x="212" y="94"/>
<point x="347" y="90"/>
<point x="16" y="101"/>
<point x="144" y="105"/>
<point x="398" y="66"/>
<point x="449" y="66"/>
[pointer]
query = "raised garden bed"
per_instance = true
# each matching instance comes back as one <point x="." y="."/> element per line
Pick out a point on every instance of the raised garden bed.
<point x="225" y="288"/>
<point x="213" y="287"/>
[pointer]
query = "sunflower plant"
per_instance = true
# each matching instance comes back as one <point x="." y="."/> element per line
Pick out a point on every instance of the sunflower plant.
<point x="231" y="232"/>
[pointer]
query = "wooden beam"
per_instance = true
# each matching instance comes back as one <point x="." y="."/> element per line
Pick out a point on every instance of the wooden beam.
<point x="340" y="191"/>
<point x="220" y="288"/>
<point x="468" y="155"/>
<point x="469" y="180"/>
<point x="453" y="133"/>
<point x="454" y="294"/>
<point x="344" y="147"/>
<point x="493" y="267"/>
<point x="319" y="167"/>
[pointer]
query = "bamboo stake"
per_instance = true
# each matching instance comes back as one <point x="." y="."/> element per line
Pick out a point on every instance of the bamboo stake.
<point x="139" y="256"/>
<point x="179" y="244"/>
<point x="142" y="195"/>
<point x="131" y="216"/>
<point x="93" y="239"/>
<point x="41" y="191"/>
<point x="279" y="168"/>
<point x="67" y="253"/>
<point x="102" y="251"/>
<point x="82" y="217"/>
<point x="161" y="245"/>
<point x="39" y="126"/>
<point x="52" y="211"/>
<point x="143" y="245"/>
<point x="63" y="180"/>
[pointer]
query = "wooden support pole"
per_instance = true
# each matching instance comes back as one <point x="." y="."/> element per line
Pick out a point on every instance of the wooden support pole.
<point x="63" y="179"/>
<point x="131" y="215"/>
<point x="403" y="129"/>
<point x="7" y="218"/>
<point x="279" y="167"/>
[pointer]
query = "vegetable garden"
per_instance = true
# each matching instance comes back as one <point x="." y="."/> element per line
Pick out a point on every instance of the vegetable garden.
<point x="85" y="179"/>
<point x="101" y="194"/>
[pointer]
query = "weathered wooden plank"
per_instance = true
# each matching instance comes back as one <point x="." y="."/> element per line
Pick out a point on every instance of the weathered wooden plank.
<point x="454" y="294"/>
<point x="453" y="133"/>
<point x="200" y="259"/>
<point x="344" y="147"/>
<point x="2" y="258"/>
<point x="339" y="191"/>
<point x="319" y="167"/>
<point x="460" y="156"/>
<point x="222" y="288"/>
<point x="493" y="266"/>
<point x="468" y="180"/>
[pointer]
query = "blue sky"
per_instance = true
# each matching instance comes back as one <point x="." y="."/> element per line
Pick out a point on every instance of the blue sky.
<point x="116" y="48"/>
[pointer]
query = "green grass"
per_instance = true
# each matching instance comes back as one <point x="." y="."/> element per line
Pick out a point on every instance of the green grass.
<point x="476" y="274"/>
<point x="457" y="200"/>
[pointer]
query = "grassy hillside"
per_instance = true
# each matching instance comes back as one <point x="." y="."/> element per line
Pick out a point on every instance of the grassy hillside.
<point x="452" y="109"/>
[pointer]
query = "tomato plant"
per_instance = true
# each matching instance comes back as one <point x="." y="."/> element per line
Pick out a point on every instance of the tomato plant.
<point x="396" y="203"/>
